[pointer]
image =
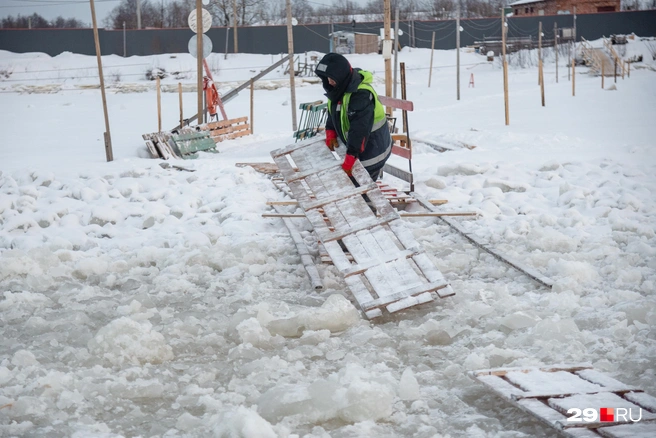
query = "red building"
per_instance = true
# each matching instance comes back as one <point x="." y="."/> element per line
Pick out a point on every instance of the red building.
<point x="523" y="8"/>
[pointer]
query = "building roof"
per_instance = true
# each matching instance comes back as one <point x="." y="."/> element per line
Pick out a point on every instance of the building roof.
<point x="525" y="2"/>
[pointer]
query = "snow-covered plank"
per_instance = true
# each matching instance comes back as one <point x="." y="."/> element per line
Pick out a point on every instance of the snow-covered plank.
<point x="295" y="146"/>
<point x="607" y="382"/>
<point x="550" y="392"/>
<point x="340" y="196"/>
<point x="635" y="430"/>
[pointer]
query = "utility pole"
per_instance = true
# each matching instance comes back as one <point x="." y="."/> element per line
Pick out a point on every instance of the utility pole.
<point x="388" y="60"/>
<point x="290" y="47"/>
<point x="199" y="59"/>
<point x="396" y="46"/>
<point x="574" y="58"/>
<point x="108" y="138"/>
<point x="458" y="51"/>
<point x="124" y="47"/>
<point x="556" y="47"/>
<point x="138" y="14"/>
<point x="234" y="24"/>
<point x="505" y="64"/>
<point x="540" y="66"/>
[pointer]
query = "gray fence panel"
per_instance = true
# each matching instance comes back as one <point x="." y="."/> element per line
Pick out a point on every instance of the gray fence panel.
<point x="273" y="39"/>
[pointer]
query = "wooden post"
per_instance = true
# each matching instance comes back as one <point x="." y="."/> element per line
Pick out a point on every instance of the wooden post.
<point x="388" y="62"/>
<point x="234" y="24"/>
<point x="396" y="46"/>
<point x="292" y="74"/>
<point x="574" y="58"/>
<point x="180" y="99"/>
<point x="628" y="69"/>
<point x="458" y="53"/>
<point x="615" y="70"/>
<point x="623" y="69"/>
<point x="430" y="72"/>
<point x="199" y="59"/>
<point x="541" y="65"/>
<point x="603" y="73"/>
<point x="252" y="101"/>
<point x="109" y="153"/>
<point x="539" y="50"/>
<point x="159" y="105"/>
<point x="505" y="65"/>
<point x="556" y="47"/>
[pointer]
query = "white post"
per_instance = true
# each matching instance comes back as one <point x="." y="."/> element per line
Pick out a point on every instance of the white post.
<point x="396" y="47"/>
<point x="458" y="52"/>
<point x="292" y="74"/>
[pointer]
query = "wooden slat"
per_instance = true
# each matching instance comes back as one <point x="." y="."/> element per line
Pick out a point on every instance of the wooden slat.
<point x="223" y="123"/>
<point x="229" y="129"/>
<point x="232" y="136"/>
<point x="401" y="104"/>
<point x="429" y="287"/>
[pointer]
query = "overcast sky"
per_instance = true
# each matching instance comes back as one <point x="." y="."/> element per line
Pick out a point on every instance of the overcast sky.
<point x="80" y="9"/>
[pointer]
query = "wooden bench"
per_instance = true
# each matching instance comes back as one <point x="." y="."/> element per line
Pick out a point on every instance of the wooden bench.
<point x="227" y="129"/>
<point x="401" y="143"/>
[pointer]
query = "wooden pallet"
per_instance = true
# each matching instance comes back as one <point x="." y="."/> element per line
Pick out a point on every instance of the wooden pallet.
<point x="227" y="129"/>
<point x="553" y="393"/>
<point x="389" y="269"/>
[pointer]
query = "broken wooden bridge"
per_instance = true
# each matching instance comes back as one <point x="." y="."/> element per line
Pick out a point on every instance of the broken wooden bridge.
<point x="383" y="265"/>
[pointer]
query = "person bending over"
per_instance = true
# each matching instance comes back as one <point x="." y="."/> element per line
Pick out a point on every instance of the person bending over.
<point x="355" y="115"/>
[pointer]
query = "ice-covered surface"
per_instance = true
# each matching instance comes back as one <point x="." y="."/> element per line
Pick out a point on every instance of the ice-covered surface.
<point x="141" y="301"/>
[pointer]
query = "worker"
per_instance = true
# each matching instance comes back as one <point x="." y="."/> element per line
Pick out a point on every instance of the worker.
<point x="356" y="117"/>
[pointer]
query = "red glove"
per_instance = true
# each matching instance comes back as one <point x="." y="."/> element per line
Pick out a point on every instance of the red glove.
<point x="347" y="165"/>
<point x="331" y="139"/>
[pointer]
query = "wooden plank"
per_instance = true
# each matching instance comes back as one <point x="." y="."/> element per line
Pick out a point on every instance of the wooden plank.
<point x="388" y="299"/>
<point x="531" y="272"/>
<point x="402" y="152"/>
<point x="154" y="153"/>
<point x="396" y="103"/>
<point x="306" y="258"/>
<point x="396" y="172"/>
<point x="340" y="196"/>
<point x="232" y="136"/>
<point x="228" y="129"/>
<point x="293" y="147"/>
<point x="222" y="123"/>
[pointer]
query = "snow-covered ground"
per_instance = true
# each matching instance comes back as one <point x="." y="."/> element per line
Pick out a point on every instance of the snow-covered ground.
<point x="142" y="301"/>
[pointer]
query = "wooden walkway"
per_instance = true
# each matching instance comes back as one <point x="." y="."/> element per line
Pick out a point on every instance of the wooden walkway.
<point x="388" y="270"/>
<point x="577" y="401"/>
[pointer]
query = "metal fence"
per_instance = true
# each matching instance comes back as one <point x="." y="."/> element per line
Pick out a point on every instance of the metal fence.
<point x="315" y="37"/>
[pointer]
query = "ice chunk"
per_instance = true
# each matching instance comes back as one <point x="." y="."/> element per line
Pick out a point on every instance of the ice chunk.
<point x="125" y="341"/>
<point x="336" y="314"/>
<point x="250" y="331"/>
<point x="241" y="422"/>
<point x="556" y="330"/>
<point x="24" y="358"/>
<point x="408" y="386"/>
<point x="519" y="320"/>
<point x="353" y="394"/>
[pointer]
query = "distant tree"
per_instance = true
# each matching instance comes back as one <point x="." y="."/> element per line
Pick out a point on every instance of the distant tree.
<point x="126" y="12"/>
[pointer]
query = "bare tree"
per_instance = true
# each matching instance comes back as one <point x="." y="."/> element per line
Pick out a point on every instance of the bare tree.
<point x="126" y="12"/>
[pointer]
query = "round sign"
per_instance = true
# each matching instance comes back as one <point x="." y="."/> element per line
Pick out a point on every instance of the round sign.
<point x="193" y="46"/>
<point x="207" y="20"/>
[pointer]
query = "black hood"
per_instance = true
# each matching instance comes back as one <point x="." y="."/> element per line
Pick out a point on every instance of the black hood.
<point x="336" y="67"/>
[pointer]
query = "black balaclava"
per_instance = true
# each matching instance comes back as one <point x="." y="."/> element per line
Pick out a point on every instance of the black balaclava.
<point x="336" y="67"/>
